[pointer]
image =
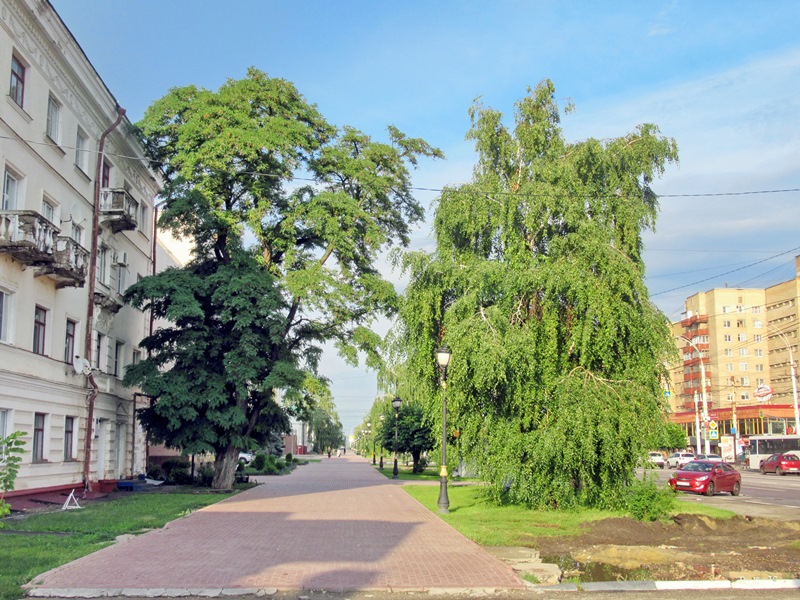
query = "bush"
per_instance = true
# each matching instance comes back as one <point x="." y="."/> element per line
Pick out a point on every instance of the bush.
<point x="176" y="470"/>
<point x="289" y="458"/>
<point x="259" y="461"/>
<point x="155" y="472"/>
<point x="649" y="501"/>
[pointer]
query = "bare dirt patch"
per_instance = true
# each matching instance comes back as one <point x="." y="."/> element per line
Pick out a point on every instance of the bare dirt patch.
<point x="687" y="547"/>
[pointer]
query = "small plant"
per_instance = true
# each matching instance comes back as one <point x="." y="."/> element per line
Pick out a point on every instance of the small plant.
<point x="176" y="470"/>
<point x="10" y="450"/>
<point x="205" y="475"/>
<point x="289" y="458"/>
<point x="155" y="472"/>
<point x="259" y="461"/>
<point x="649" y="501"/>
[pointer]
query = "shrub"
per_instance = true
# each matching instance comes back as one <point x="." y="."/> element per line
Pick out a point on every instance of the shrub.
<point x="176" y="470"/>
<point x="259" y="461"/>
<point x="205" y="474"/>
<point x="280" y="464"/>
<point x="649" y="501"/>
<point x="289" y="458"/>
<point x="155" y="472"/>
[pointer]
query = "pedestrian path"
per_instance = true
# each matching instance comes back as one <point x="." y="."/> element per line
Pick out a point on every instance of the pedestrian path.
<point x="335" y="525"/>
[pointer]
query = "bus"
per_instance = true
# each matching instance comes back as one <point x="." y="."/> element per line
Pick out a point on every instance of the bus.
<point x="764" y="446"/>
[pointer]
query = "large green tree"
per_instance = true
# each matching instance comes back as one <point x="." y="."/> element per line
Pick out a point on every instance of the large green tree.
<point x="278" y="269"/>
<point x="537" y="288"/>
<point x="414" y="434"/>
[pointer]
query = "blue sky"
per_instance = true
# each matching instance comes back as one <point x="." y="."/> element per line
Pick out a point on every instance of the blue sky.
<point x="721" y="77"/>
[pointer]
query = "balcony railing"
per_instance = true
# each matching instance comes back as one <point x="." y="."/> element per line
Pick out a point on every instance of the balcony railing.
<point x="118" y="210"/>
<point x="69" y="266"/>
<point x="27" y="236"/>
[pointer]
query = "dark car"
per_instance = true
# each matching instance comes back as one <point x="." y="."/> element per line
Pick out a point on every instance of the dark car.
<point x="781" y="464"/>
<point x="706" y="477"/>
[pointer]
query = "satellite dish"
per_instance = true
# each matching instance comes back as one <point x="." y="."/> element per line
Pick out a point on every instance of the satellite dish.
<point x="81" y="365"/>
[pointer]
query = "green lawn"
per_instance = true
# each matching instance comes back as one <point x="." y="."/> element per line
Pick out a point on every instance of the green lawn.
<point x="41" y="548"/>
<point x="491" y="525"/>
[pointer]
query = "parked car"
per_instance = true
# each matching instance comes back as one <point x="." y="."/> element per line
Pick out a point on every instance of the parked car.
<point x="707" y="477"/>
<point x="781" y="464"/>
<point x="656" y="459"/>
<point x="678" y="459"/>
<point x="246" y="457"/>
<point x="709" y="457"/>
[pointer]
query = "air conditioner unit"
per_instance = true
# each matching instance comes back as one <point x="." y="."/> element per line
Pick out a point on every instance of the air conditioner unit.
<point x="122" y="259"/>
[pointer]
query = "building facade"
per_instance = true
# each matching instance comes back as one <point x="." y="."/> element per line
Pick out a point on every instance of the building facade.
<point x="76" y="229"/>
<point x="739" y="344"/>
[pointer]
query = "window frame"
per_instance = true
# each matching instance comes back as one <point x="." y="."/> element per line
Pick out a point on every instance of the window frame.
<point x="40" y="330"/>
<point x="82" y="151"/>
<point x="16" y="88"/>
<point x="6" y="309"/>
<point x="69" y="340"/>
<point x="38" y="439"/>
<point x="12" y="175"/>
<point x="53" y="124"/>
<point x="69" y="438"/>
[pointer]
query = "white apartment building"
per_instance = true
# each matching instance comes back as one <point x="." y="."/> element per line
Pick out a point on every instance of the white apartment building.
<point x="59" y="194"/>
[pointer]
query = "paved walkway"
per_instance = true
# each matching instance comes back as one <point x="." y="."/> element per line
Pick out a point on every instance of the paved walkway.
<point x="332" y="525"/>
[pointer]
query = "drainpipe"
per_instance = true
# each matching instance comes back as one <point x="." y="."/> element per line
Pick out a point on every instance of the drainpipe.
<point x="87" y="347"/>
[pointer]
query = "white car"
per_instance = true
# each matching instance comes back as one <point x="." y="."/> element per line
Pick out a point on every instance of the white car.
<point x="246" y="457"/>
<point x="710" y="457"/>
<point x="678" y="459"/>
<point x="656" y="459"/>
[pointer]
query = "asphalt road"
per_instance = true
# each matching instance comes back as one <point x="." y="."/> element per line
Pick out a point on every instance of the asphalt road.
<point x="766" y="496"/>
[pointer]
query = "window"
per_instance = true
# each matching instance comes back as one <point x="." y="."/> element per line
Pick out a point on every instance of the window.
<point x="756" y="310"/>
<point x="53" y="119"/>
<point x="142" y="217"/>
<point x="11" y="190"/>
<point x="759" y="381"/>
<point x="726" y="309"/>
<point x="77" y="233"/>
<point x="137" y="356"/>
<point x="105" y="176"/>
<point x="758" y="352"/>
<point x="745" y="396"/>
<point x="17" y="89"/>
<point x="102" y="264"/>
<point x="39" y="329"/>
<point x="742" y="337"/>
<point x="82" y="151"/>
<point x="742" y="351"/>
<point x="728" y="352"/>
<point x="49" y="210"/>
<point x="739" y="307"/>
<point x="38" y="437"/>
<point x="4" y="419"/>
<point x="758" y="338"/>
<point x="69" y="341"/>
<point x="744" y="380"/>
<point x="729" y="367"/>
<point x="5" y="316"/>
<point x="116" y="367"/>
<point x="727" y="337"/>
<point x="69" y="437"/>
<point x="726" y="324"/>
<point x="759" y="367"/>
<point x="743" y="366"/>
<point x="740" y="323"/>
<point x="122" y="278"/>
<point x="757" y="324"/>
<point x="98" y="348"/>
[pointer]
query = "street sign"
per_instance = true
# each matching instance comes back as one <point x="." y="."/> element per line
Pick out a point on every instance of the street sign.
<point x="713" y="434"/>
<point x="666" y="393"/>
<point x="713" y="425"/>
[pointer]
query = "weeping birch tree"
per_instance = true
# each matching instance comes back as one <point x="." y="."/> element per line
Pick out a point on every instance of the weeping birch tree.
<point x="537" y="287"/>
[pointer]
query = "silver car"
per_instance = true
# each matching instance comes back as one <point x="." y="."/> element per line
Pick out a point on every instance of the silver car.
<point x="678" y="459"/>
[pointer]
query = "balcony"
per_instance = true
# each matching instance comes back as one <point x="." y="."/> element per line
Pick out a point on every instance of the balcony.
<point x="69" y="266"/>
<point x="27" y="236"/>
<point x="118" y="210"/>
<point x="689" y="321"/>
<point x="107" y="299"/>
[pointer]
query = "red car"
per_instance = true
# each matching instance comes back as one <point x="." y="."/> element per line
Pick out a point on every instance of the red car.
<point x="781" y="464"/>
<point x="706" y="477"/>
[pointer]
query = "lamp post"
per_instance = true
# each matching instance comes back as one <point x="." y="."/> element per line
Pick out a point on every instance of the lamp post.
<point x="381" y="462"/>
<point x="702" y="392"/>
<point x="443" y="356"/>
<point x="369" y="425"/>
<point x="396" y="402"/>
<point x="794" y="377"/>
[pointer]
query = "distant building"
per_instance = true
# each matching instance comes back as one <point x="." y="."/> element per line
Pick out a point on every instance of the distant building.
<point x="743" y="337"/>
<point x="58" y="192"/>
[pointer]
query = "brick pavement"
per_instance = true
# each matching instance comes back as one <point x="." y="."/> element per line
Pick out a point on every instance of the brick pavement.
<point x="333" y="525"/>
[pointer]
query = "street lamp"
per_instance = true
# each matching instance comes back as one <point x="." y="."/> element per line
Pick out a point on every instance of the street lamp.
<point x="702" y="392"/>
<point x="443" y="356"/>
<point x="396" y="402"/>
<point x="369" y="425"/>
<point x="381" y="463"/>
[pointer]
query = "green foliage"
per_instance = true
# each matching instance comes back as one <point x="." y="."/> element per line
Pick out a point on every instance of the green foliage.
<point x="649" y="500"/>
<point x="537" y="288"/>
<point x="277" y="270"/>
<point x="11" y="449"/>
<point x="414" y="435"/>
<point x="289" y="458"/>
<point x="176" y="470"/>
<point x="259" y="461"/>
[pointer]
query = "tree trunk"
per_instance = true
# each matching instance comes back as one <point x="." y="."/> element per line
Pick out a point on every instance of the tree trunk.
<point x="415" y="454"/>
<point x="225" y="464"/>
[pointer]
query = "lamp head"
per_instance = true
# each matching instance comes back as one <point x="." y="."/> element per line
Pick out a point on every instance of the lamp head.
<point x="396" y="402"/>
<point x="443" y="356"/>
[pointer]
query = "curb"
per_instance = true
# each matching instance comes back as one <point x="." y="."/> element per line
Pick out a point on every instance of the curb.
<point x="596" y="586"/>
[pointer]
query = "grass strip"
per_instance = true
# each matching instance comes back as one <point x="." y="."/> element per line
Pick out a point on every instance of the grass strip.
<point x="24" y="556"/>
